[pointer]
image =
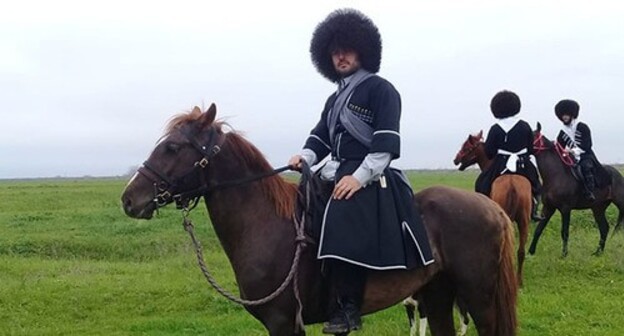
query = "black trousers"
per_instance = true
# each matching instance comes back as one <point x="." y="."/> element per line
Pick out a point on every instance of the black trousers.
<point x="347" y="282"/>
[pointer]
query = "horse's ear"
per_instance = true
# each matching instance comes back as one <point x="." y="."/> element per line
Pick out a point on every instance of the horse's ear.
<point x="539" y="127"/>
<point x="209" y="116"/>
<point x="480" y="135"/>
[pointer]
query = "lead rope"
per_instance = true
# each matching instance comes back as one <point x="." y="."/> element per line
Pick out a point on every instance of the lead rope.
<point x="300" y="240"/>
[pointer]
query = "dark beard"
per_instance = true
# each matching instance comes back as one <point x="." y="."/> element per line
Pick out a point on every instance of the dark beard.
<point x="347" y="74"/>
<point x="567" y="123"/>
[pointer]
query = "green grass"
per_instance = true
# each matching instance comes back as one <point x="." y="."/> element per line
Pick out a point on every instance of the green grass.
<point x="71" y="263"/>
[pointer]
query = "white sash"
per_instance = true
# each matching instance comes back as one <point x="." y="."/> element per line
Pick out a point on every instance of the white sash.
<point x="512" y="161"/>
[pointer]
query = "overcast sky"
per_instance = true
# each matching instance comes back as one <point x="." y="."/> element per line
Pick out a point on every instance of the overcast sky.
<point x="87" y="87"/>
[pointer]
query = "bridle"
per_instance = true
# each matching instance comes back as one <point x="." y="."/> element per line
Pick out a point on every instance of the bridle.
<point x="465" y="151"/>
<point x="167" y="190"/>
<point x="539" y="145"/>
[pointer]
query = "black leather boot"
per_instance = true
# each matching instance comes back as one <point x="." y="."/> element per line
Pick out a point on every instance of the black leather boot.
<point x="589" y="191"/>
<point x="348" y="285"/>
<point x="344" y="320"/>
<point x="534" y="208"/>
<point x="590" y="185"/>
<point x="589" y="182"/>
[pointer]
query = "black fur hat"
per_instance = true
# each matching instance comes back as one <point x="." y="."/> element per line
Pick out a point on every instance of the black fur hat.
<point x="567" y="106"/>
<point x="505" y="104"/>
<point x="346" y="29"/>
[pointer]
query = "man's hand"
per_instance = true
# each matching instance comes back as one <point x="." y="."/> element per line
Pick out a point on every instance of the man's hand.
<point x="295" y="162"/>
<point x="576" y="151"/>
<point x="346" y="187"/>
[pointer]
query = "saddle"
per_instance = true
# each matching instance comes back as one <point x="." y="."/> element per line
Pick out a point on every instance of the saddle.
<point x="312" y="197"/>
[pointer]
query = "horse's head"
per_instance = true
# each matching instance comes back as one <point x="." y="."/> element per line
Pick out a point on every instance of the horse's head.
<point x="176" y="165"/>
<point x="540" y="141"/>
<point x="467" y="155"/>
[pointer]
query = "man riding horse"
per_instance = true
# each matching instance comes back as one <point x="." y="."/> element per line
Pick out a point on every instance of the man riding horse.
<point x="509" y="144"/>
<point x="575" y="137"/>
<point x="369" y="223"/>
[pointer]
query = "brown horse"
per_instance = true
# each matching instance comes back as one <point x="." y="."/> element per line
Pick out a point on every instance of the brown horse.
<point x="562" y="192"/>
<point x="512" y="192"/>
<point x="470" y="236"/>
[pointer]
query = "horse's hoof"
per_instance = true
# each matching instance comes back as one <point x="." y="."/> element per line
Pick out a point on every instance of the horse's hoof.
<point x="598" y="252"/>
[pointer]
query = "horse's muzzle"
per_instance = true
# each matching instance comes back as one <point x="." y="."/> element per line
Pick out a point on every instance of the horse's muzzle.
<point x="134" y="210"/>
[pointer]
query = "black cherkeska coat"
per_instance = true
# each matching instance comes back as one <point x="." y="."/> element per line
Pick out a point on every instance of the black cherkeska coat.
<point x="377" y="227"/>
<point x="519" y="137"/>
<point x="583" y="140"/>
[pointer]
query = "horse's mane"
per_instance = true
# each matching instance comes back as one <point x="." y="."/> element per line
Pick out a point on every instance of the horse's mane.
<point x="280" y="192"/>
<point x="179" y="120"/>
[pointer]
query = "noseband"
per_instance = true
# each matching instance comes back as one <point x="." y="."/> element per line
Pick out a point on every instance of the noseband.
<point x="463" y="152"/>
<point x="167" y="190"/>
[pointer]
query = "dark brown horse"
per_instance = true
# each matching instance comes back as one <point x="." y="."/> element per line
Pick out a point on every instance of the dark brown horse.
<point x="512" y="192"/>
<point x="562" y="192"/>
<point x="470" y="236"/>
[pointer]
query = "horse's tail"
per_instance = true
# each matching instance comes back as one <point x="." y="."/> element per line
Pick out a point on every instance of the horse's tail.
<point x="617" y="195"/>
<point x="506" y="294"/>
<point x="511" y="206"/>
<point x="512" y="193"/>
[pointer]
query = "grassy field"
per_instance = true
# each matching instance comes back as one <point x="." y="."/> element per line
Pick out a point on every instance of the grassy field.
<point x="71" y="263"/>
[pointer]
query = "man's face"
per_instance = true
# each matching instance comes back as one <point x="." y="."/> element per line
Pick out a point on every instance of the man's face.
<point x="567" y="119"/>
<point x="345" y="62"/>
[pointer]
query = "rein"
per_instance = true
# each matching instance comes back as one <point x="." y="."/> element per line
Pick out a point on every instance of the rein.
<point x="300" y="240"/>
<point x="540" y="146"/>
<point x="565" y="157"/>
<point x="201" y="191"/>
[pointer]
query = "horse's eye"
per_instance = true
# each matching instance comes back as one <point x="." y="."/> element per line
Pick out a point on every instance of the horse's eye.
<point x="173" y="147"/>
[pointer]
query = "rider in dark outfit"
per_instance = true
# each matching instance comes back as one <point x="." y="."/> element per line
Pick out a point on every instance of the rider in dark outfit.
<point x="575" y="137"/>
<point x="509" y="143"/>
<point x="369" y="222"/>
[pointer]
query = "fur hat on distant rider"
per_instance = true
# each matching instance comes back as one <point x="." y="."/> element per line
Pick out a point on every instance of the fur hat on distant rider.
<point x="567" y="107"/>
<point x="505" y="104"/>
<point x="346" y="29"/>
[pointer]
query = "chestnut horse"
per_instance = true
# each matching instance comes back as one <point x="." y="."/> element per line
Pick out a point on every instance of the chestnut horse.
<point x="511" y="191"/>
<point x="562" y="192"/>
<point x="470" y="236"/>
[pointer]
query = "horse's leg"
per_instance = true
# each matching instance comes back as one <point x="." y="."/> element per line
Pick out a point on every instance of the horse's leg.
<point x="423" y="320"/>
<point x="565" y="230"/>
<point x="463" y="317"/>
<point x="438" y="297"/>
<point x="620" y="221"/>
<point x="481" y="309"/>
<point x="523" y="233"/>
<point x="279" y="317"/>
<point x="284" y="329"/>
<point x="410" y="307"/>
<point x="548" y="212"/>
<point x="603" y="227"/>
